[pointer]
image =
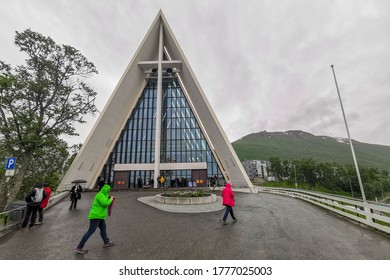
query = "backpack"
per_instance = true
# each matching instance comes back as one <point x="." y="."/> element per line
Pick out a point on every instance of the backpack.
<point x="38" y="195"/>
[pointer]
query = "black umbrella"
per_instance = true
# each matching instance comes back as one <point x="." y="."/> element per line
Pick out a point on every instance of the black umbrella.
<point x="78" y="181"/>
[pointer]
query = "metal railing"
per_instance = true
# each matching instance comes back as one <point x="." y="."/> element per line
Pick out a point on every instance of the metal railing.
<point x="373" y="214"/>
<point x="12" y="218"/>
<point x="16" y="214"/>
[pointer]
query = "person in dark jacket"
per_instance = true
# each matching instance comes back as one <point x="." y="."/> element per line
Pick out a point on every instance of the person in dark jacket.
<point x="75" y="194"/>
<point x="139" y="182"/>
<point x="101" y="183"/>
<point x="228" y="202"/>
<point x="97" y="216"/>
<point x="213" y="181"/>
<point x="33" y="199"/>
<point x="44" y="202"/>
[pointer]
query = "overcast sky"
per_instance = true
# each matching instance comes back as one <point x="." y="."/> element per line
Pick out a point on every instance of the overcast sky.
<point x="263" y="65"/>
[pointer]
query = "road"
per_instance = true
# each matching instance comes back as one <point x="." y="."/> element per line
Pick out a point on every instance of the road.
<point x="269" y="227"/>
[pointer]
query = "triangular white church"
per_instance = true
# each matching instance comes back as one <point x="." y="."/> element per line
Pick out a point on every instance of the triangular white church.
<point x="157" y="122"/>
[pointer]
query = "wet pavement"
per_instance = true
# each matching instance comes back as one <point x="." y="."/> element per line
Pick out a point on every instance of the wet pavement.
<point x="269" y="227"/>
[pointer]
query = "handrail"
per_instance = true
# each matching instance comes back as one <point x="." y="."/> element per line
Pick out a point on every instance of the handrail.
<point x="16" y="209"/>
<point x="4" y="215"/>
<point x="12" y="218"/>
<point x="376" y="215"/>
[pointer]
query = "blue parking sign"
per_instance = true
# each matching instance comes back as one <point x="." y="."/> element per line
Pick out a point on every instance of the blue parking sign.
<point x="11" y="162"/>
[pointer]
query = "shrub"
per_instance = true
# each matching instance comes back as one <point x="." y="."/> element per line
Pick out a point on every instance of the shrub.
<point x="198" y="193"/>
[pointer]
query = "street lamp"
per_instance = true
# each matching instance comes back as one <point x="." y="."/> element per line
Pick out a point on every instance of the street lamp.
<point x="349" y="137"/>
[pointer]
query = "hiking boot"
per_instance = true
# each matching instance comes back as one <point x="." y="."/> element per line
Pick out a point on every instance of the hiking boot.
<point x="109" y="244"/>
<point x="80" y="251"/>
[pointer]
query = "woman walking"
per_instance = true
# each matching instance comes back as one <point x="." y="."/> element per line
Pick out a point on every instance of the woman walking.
<point x="228" y="201"/>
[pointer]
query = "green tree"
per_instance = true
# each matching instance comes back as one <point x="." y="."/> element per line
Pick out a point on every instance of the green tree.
<point x="276" y="168"/>
<point x="47" y="166"/>
<point x="74" y="150"/>
<point x="39" y="102"/>
<point x="286" y="169"/>
<point x="307" y="168"/>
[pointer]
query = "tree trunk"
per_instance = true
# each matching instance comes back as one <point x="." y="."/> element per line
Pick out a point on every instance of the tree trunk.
<point x="3" y="194"/>
<point x="15" y="187"/>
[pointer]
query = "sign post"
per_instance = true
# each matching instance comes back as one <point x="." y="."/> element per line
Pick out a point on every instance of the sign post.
<point x="10" y="166"/>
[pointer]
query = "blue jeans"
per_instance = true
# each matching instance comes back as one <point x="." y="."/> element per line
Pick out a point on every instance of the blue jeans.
<point x="228" y="210"/>
<point x="93" y="225"/>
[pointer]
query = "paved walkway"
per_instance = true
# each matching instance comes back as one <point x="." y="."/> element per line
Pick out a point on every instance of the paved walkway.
<point x="269" y="227"/>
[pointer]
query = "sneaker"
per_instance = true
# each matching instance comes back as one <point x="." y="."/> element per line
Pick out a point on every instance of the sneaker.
<point x="234" y="220"/>
<point x="109" y="244"/>
<point x="224" y="223"/>
<point x="80" y="251"/>
<point x="38" y="223"/>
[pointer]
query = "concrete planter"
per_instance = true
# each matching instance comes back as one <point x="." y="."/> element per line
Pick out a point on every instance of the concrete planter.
<point x="186" y="200"/>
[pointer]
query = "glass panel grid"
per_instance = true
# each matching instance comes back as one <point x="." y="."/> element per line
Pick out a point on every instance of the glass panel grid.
<point x="181" y="138"/>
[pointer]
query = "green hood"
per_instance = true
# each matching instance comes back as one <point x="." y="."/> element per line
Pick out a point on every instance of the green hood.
<point x="105" y="189"/>
<point x="100" y="204"/>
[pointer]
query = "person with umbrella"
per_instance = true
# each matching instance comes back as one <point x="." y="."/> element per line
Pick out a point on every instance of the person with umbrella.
<point x="75" y="194"/>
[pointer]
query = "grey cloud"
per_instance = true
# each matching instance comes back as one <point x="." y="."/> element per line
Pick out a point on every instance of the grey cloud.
<point x="263" y="65"/>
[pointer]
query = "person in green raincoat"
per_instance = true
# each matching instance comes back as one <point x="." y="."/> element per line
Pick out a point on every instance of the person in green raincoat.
<point x="97" y="216"/>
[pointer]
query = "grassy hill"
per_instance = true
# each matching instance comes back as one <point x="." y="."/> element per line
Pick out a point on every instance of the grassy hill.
<point x="296" y="144"/>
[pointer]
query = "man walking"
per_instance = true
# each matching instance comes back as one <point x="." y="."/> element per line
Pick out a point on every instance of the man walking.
<point x="97" y="216"/>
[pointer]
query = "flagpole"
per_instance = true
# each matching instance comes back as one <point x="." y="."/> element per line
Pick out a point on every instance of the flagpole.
<point x="349" y="137"/>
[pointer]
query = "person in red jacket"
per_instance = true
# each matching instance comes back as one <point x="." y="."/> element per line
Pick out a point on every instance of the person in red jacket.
<point x="228" y="201"/>
<point x="45" y="201"/>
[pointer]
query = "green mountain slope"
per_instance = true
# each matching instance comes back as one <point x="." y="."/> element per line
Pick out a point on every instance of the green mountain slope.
<point x="296" y="144"/>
